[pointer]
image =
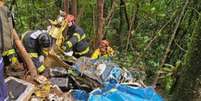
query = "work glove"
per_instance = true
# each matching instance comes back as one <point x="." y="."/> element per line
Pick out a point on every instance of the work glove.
<point x="70" y="53"/>
<point x="41" y="58"/>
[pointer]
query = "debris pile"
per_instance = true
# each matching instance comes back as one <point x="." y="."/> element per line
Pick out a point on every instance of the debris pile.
<point x="85" y="80"/>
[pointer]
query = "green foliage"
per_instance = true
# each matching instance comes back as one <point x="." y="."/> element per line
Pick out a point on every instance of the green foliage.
<point x="33" y="14"/>
<point x="124" y="59"/>
<point x="167" y="75"/>
<point x="86" y="18"/>
<point x="147" y="29"/>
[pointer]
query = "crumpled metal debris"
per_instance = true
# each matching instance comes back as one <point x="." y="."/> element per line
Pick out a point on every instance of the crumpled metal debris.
<point x="54" y="97"/>
<point x="34" y="98"/>
<point x="53" y="59"/>
<point x="58" y="72"/>
<point x="62" y="82"/>
<point x="41" y="79"/>
<point x="18" y="90"/>
<point x="42" y="91"/>
<point x="101" y="70"/>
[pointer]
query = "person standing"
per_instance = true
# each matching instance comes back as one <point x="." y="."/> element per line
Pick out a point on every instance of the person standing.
<point x="75" y="39"/>
<point x="8" y="52"/>
<point x="3" y="90"/>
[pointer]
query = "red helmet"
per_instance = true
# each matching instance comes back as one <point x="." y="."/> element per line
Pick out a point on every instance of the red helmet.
<point x="70" y="18"/>
<point x="104" y="43"/>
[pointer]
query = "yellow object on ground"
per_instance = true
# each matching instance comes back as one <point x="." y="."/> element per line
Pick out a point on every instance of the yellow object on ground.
<point x="43" y="90"/>
<point x="54" y="59"/>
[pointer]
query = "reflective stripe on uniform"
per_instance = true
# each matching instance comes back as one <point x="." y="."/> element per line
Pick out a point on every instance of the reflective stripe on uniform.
<point x="33" y="55"/>
<point x="83" y="37"/>
<point x="45" y="52"/>
<point x="69" y="44"/>
<point x="83" y="52"/>
<point x="8" y="52"/>
<point x="41" y="68"/>
<point x="78" y="36"/>
<point x="14" y="59"/>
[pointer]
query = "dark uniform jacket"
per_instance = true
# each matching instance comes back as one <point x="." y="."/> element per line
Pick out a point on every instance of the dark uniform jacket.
<point x="31" y="45"/>
<point x="33" y="48"/>
<point x="77" y="41"/>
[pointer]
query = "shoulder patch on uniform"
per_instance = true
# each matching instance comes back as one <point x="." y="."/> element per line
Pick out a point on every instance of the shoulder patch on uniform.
<point x="35" y="34"/>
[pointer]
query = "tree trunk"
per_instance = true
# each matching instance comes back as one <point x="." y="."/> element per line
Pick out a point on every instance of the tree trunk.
<point x="100" y="34"/>
<point x="66" y="6"/>
<point x="132" y="25"/>
<point x="74" y="8"/>
<point x="124" y="23"/>
<point x="27" y="59"/>
<point x="189" y="85"/>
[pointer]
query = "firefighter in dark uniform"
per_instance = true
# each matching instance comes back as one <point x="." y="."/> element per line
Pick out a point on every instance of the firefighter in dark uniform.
<point x="76" y="39"/>
<point x="37" y="43"/>
<point x="9" y="53"/>
<point x="5" y="31"/>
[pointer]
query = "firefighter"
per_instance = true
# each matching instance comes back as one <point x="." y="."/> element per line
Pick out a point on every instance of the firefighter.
<point x="5" y="34"/>
<point x="37" y="43"/>
<point x="104" y="50"/>
<point x="9" y="53"/>
<point x="75" y="38"/>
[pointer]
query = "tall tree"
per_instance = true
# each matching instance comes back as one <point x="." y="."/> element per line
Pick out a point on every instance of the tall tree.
<point x="189" y="86"/>
<point x="124" y="22"/>
<point x="66" y="6"/>
<point x="100" y="34"/>
<point x="74" y="8"/>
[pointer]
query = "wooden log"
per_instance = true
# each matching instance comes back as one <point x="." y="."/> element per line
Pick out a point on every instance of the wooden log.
<point x="27" y="59"/>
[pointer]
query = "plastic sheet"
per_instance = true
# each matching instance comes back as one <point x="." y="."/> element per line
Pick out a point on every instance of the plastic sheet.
<point x="79" y="95"/>
<point x="120" y="92"/>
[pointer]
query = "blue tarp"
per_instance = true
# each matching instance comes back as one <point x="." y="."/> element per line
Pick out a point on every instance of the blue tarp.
<point x="79" y="95"/>
<point x="3" y="90"/>
<point x="121" y="92"/>
<point x="117" y="92"/>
